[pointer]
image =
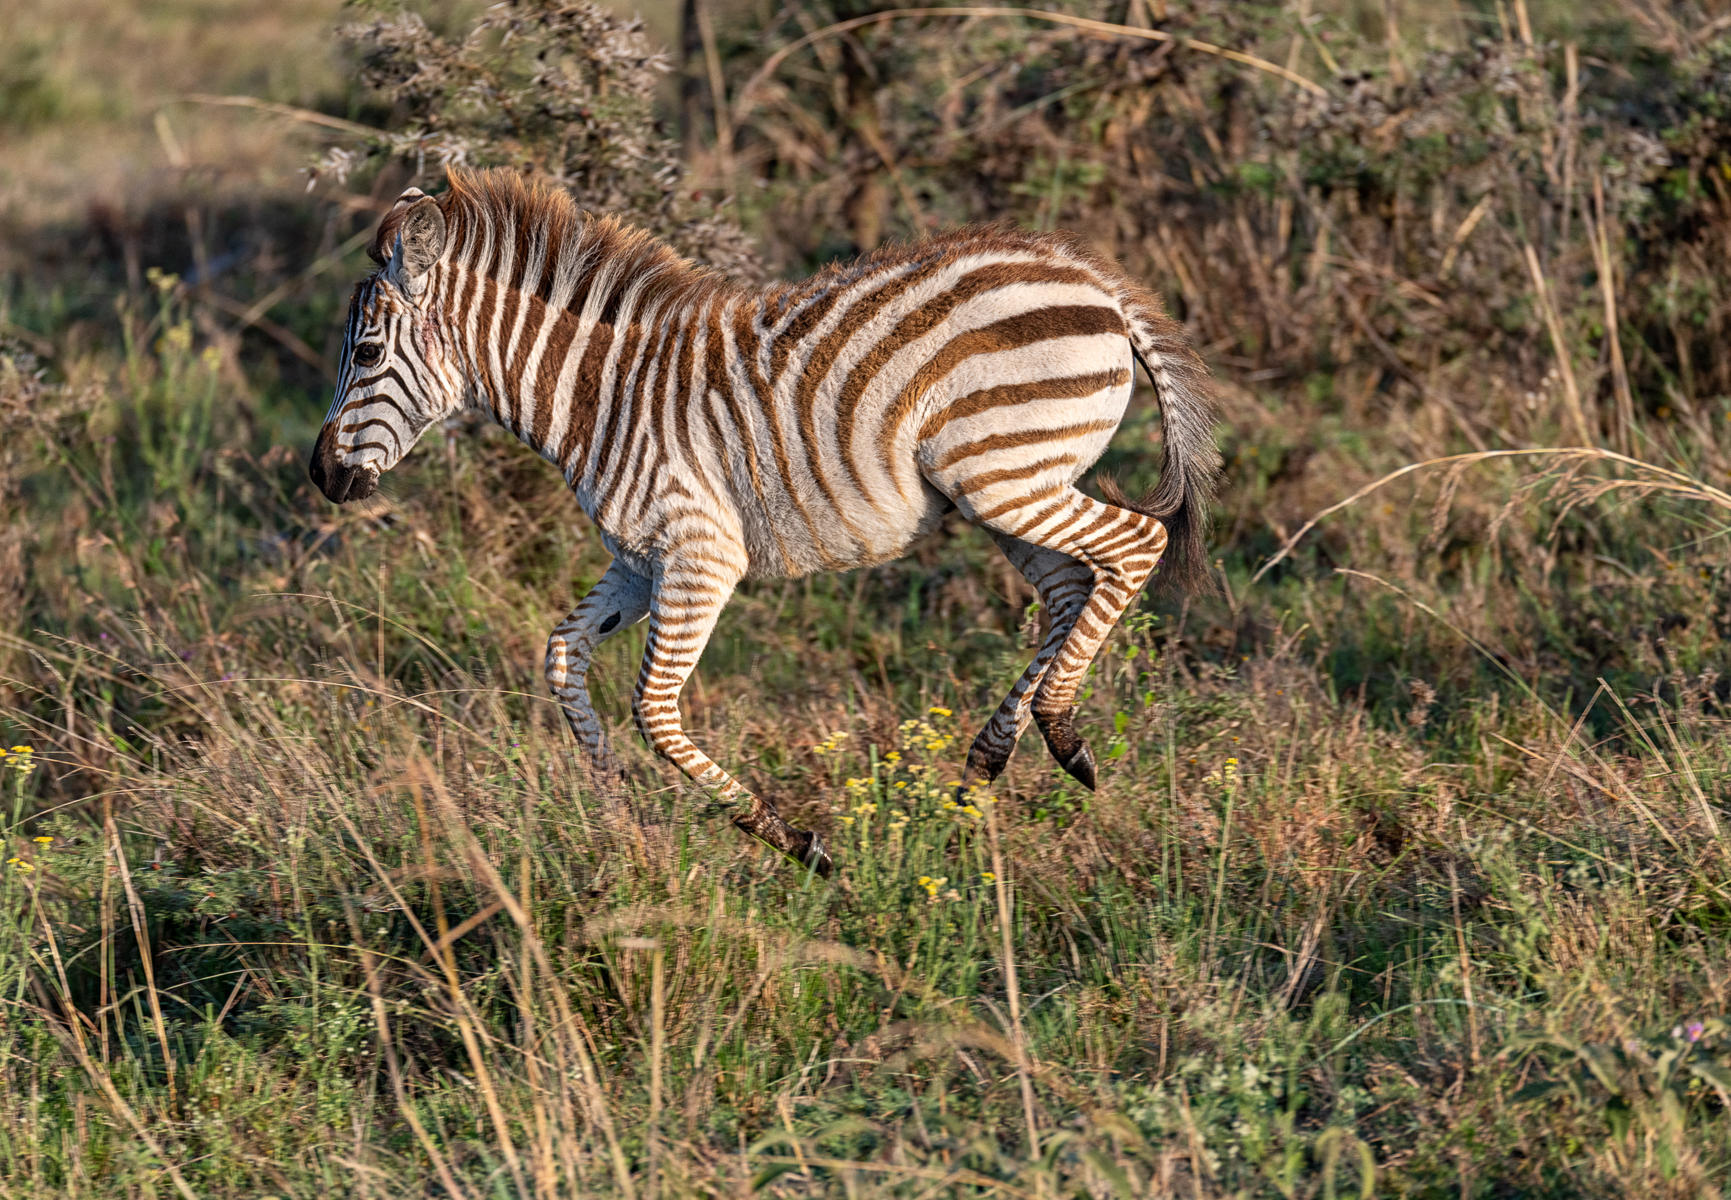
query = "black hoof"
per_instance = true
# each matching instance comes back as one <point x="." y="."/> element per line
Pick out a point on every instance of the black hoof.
<point x="983" y="767"/>
<point x="809" y="852"/>
<point x="1080" y="765"/>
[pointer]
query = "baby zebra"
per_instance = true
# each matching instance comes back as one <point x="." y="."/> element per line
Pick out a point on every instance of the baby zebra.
<point x="715" y="432"/>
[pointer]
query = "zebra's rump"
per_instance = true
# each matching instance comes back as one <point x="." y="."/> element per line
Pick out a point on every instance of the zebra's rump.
<point x="993" y="371"/>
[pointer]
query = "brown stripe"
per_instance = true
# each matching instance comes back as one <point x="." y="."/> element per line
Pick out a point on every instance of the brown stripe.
<point x="1101" y="521"/>
<point x="609" y="414"/>
<point x="1069" y="387"/>
<point x="457" y="231"/>
<point x="822" y="359"/>
<point x="533" y="320"/>
<point x="585" y="397"/>
<point x="465" y="300"/>
<point x="637" y="394"/>
<point x="521" y="239"/>
<point x="553" y="358"/>
<point x="1022" y="437"/>
<point x="930" y="316"/>
<point x="748" y="435"/>
<point x="746" y="330"/>
<point x="1007" y="474"/>
<point x="670" y="385"/>
<point x="673" y="390"/>
<point x="812" y="315"/>
<point x="557" y="235"/>
<point x="1045" y="514"/>
<point x="717" y="440"/>
<point x="992" y="514"/>
<point x="694" y="383"/>
<point x="808" y="319"/>
<point x="483" y="326"/>
<point x="1023" y="329"/>
<point x="1067" y="523"/>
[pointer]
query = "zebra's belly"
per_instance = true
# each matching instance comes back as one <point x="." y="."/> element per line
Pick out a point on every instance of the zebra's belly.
<point x="810" y="534"/>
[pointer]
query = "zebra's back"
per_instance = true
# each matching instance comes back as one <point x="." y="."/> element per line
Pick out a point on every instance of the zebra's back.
<point x="854" y="410"/>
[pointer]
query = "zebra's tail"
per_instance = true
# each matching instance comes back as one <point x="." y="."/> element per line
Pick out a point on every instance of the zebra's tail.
<point x="1190" y="463"/>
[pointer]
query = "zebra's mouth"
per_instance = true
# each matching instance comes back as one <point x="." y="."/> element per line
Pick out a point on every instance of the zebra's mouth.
<point x="339" y="481"/>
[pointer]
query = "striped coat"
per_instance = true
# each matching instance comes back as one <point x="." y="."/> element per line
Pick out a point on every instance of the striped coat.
<point x="715" y="432"/>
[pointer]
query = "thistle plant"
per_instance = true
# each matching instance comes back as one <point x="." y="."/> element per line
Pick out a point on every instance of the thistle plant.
<point x="564" y="90"/>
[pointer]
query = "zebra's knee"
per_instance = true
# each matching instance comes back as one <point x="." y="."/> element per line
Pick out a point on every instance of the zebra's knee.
<point x="658" y="725"/>
<point x="558" y="662"/>
<point x="567" y="660"/>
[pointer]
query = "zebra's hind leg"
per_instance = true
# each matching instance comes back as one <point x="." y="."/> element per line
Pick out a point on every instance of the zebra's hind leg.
<point x="685" y="601"/>
<point x="1120" y="548"/>
<point x="1063" y="585"/>
<point x="618" y="601"/>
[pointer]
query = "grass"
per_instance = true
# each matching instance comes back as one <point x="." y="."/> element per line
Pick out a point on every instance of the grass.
<point x="328" y="909"/>
<point x="1408" y="876"/>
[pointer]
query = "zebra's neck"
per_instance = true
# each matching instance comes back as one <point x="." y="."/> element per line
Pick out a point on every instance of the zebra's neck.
<point x="543" y="310"/>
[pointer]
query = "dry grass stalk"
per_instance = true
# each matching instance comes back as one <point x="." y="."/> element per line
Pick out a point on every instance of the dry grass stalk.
<point x="141" y="930"/>
<point x="1659" y="479"/>
<point x="1606" y="268"/>
<point x="746" y="98"/>
<point x="1559" y="346"/>
<point x="1012" y="984"/>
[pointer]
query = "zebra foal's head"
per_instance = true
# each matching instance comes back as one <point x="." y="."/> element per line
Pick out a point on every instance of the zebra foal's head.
<point x="397" y="374"/>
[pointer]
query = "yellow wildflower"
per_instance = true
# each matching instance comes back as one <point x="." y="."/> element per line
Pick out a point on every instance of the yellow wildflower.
<point x="832" y="743"/>
<point x="988" y="877"/>
<point x="19" y="863"/>
<point x="938" y="711"/>
<point x="43" y="841"/>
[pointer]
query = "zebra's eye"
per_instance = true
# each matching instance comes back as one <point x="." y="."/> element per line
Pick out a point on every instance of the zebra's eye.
<point x="368" y="354"/>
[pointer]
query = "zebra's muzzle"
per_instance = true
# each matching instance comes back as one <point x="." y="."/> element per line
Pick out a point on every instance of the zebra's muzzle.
<point x="338" y="481"/>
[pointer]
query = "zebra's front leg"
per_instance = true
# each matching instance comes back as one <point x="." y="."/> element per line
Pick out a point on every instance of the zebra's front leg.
<point x="618" y="601"/>
<point x="685" y="602"/>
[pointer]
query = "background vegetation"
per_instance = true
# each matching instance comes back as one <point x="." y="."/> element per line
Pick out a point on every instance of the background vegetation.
<point x="1410" y="872"/>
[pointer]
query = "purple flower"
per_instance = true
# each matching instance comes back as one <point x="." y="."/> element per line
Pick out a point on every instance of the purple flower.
<point x="1693" y="1030"/>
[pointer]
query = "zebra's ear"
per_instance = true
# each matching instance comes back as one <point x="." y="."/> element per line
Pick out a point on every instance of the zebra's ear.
<point x="386" y="236"/>
<point x="420" y="241"/>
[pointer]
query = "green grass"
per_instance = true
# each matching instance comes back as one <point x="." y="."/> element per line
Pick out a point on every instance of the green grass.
<point x="330" y="909"/>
